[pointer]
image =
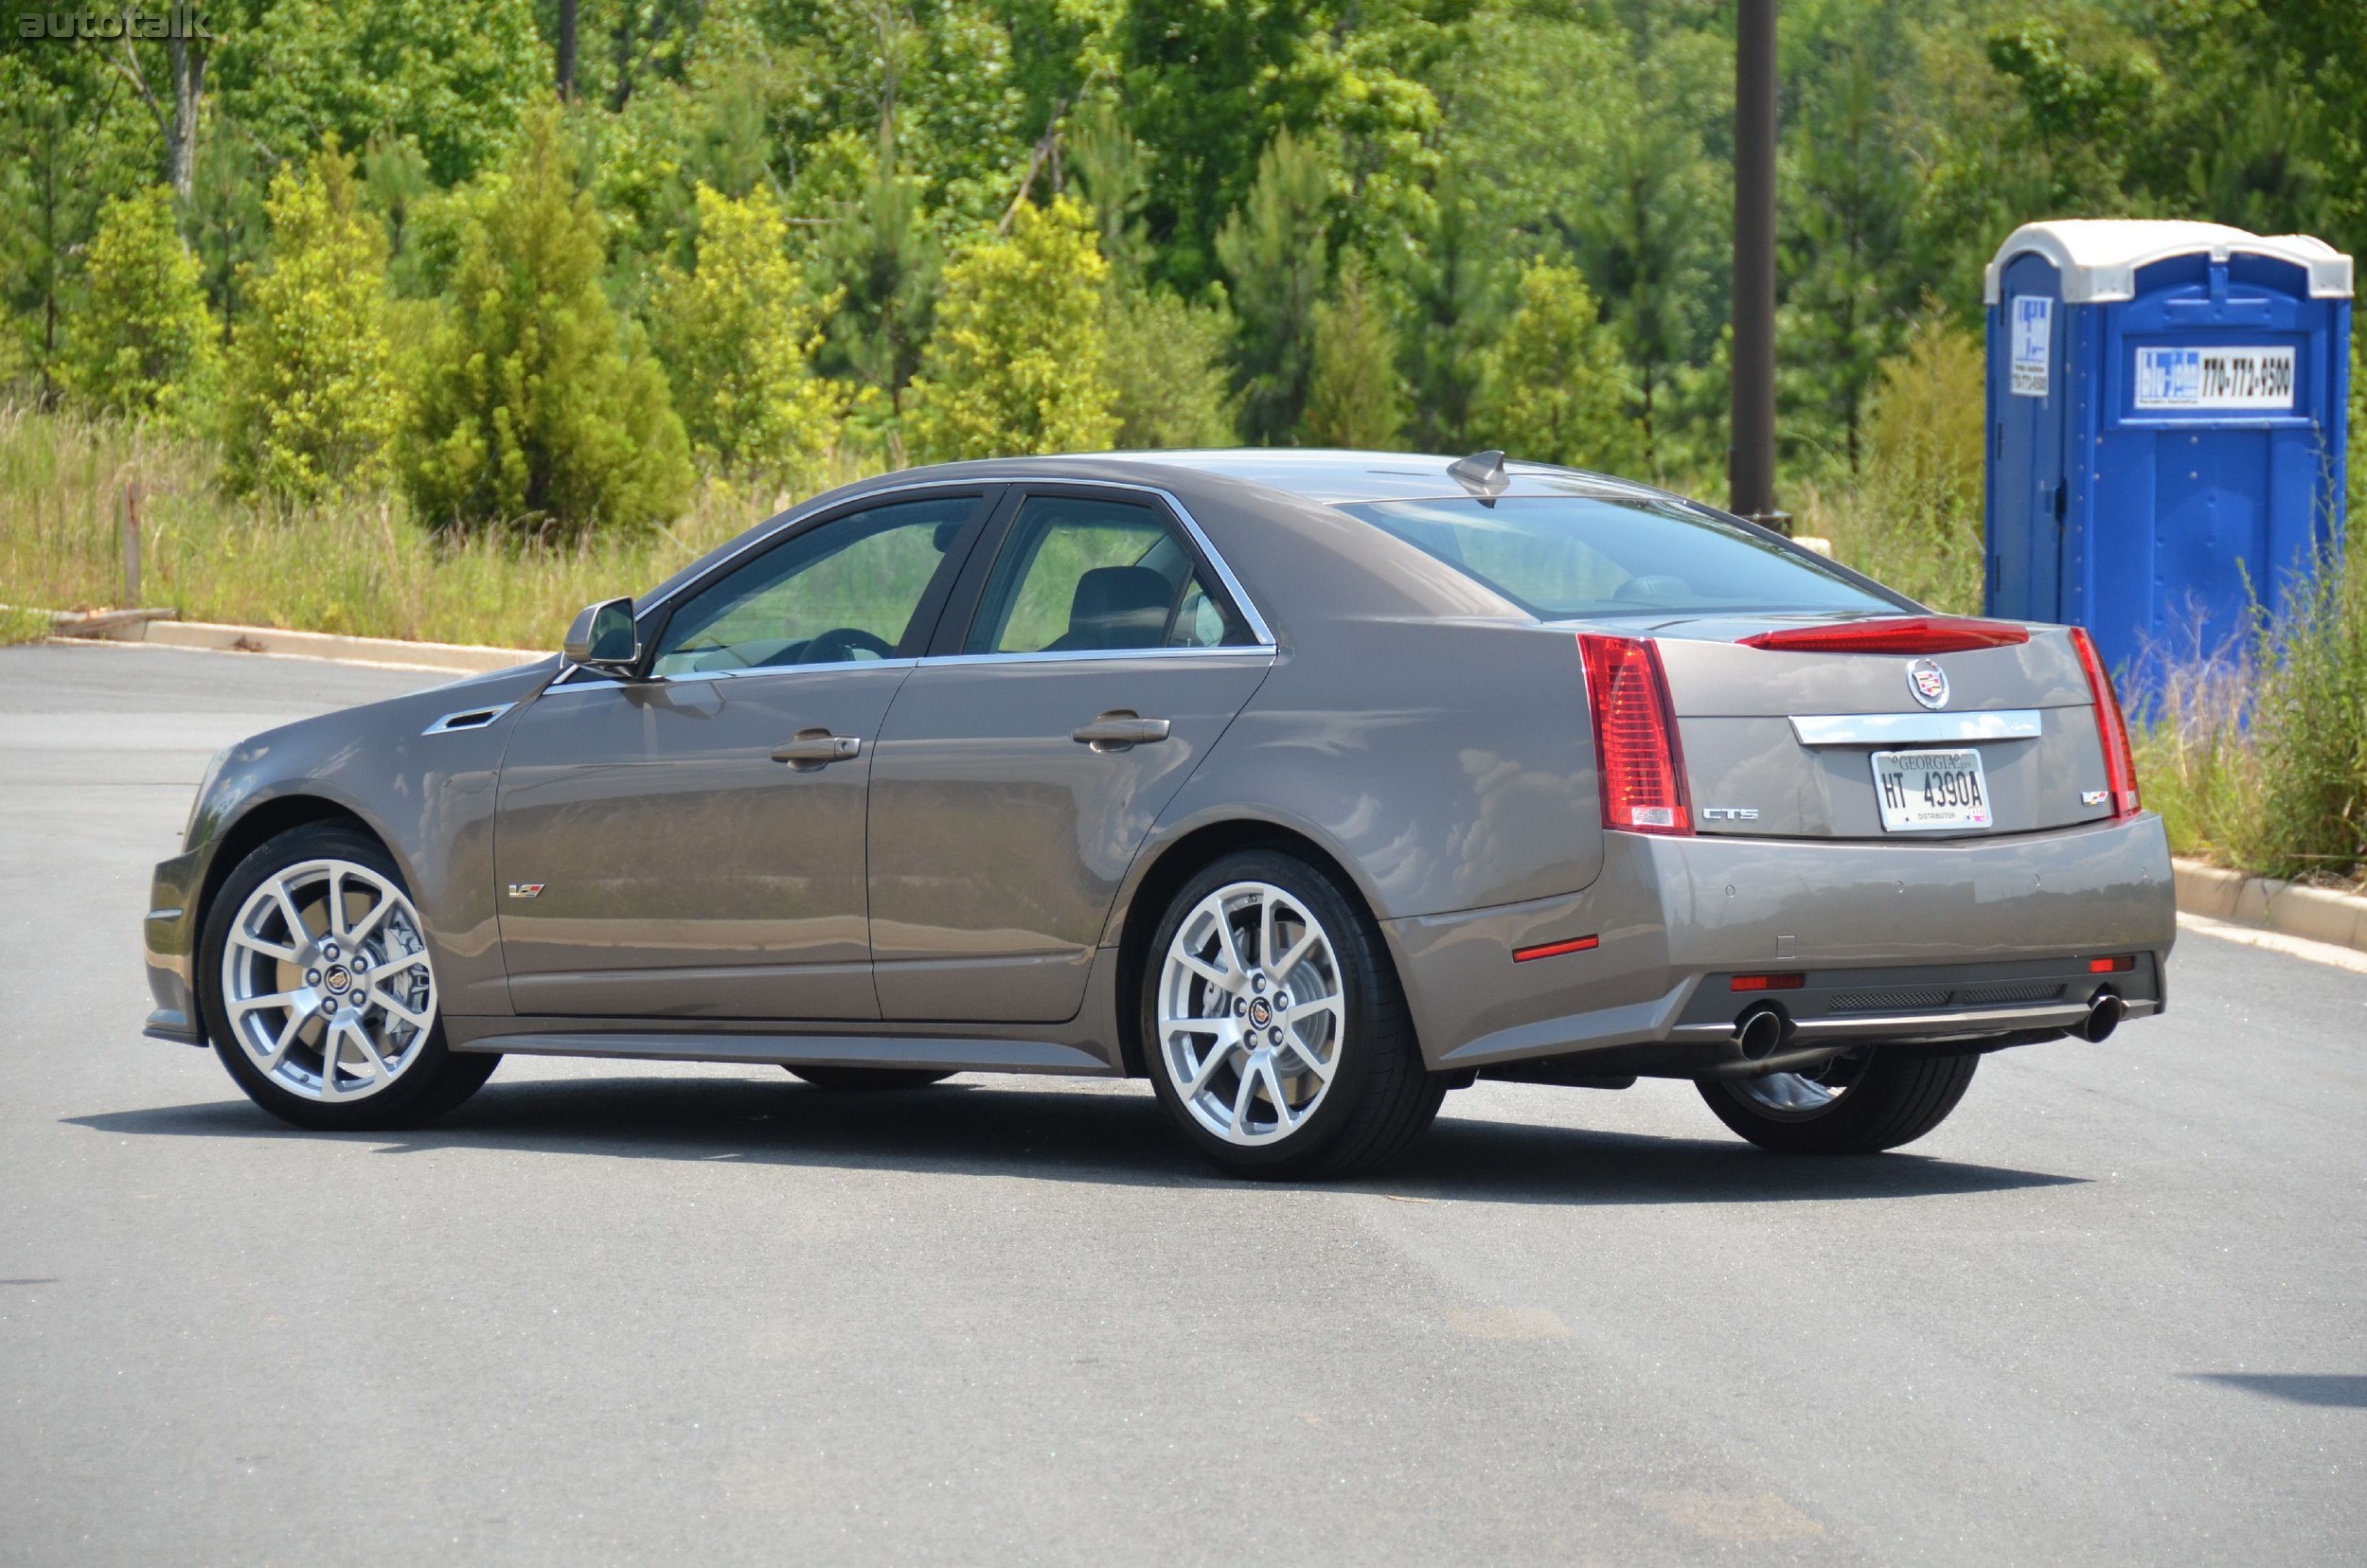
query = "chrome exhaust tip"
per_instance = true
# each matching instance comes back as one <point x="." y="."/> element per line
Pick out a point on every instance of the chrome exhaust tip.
<point x="2104" y="1015"/>
<point x="1759" y="1033"/>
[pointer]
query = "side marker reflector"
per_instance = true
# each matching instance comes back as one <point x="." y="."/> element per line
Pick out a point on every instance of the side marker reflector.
<point x="1554" y="949"/>
<point x="1767" y="982"/>
<point x="2113" y="966"/>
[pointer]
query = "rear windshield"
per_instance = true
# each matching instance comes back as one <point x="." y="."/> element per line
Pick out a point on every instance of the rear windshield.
<point x="1559" y="556"/>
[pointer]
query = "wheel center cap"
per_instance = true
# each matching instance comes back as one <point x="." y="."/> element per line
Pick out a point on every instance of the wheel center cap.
<point x="1260" y="1013"/>
<point x="337" y="979"/>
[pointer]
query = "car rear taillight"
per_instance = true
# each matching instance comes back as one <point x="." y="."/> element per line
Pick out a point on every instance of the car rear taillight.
<point x="1635" y="736"/>
<point x="2120" y="764"/>
<point x="1893" y="634"/>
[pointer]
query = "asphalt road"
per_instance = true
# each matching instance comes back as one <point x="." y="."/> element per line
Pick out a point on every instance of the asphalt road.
<point x="2115" y="1311"/>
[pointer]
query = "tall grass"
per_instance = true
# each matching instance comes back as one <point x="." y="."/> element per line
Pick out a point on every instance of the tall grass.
<point x="357" y="565"/>
<point x="2258" y="758"/>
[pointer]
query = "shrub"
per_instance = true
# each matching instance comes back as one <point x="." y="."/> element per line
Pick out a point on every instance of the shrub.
<point x="1165" y="367"/>
<point x="538" y="410"/>
<point x="143" y="341"/>
<point x="737" y="335"/>
<point x="313" y="404"/>
<point x="1016" y="362"/>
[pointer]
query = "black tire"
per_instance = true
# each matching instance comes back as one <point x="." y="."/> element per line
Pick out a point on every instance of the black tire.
<point x="436" y="1080"/>
<point x="1885" y="1099"/>
<point x="1381" y="1099"/>
<point x="869" y="1081"/>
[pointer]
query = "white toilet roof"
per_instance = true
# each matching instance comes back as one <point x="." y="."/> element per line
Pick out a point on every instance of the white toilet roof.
<point x="2098" y="257"/>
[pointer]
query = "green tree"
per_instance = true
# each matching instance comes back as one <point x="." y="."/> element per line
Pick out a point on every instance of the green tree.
<point x="451" y="80"/>
<point x="1275" y="250"/>
<point x="1447" y="279"/>
<point x="538" y="410"/>
<point x="143" y="341"/>
<point x="883" y="259"/>
<point x="736" y="335"/>
<point x="1016" y="363"/>
<point x="1850" y="191"/>
<point x="1355" y="397"/>
<point x="313" y="404"/>
<point x="1559" y="390"/>
<point x="60" y="148"/>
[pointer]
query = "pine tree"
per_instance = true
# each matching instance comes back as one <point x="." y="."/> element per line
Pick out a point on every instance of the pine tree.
<point x="143" y="341"/>
<point x="1016" y="363"/>
<point x="1355" y="397"/>
<point x="1558" y="388"/>
<point x="1274" y="250"/>
<point x="314" y="402"/>
<point x="737" y="335"/>
<point x="538" y="410"/>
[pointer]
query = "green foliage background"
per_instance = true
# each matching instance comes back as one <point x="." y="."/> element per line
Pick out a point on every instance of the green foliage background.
<point x="753" y="246"/>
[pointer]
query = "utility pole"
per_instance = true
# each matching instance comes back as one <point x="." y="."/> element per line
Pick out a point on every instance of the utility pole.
<point x="1751" y="460"/>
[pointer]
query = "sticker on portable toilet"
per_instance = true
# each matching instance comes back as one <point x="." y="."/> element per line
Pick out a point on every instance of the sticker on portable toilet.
<point x="2258" y="379"/>
<point x="2033" y="335"/>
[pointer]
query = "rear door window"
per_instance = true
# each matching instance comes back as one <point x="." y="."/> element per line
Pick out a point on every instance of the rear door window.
<point x="1564" y="556"/>
<point x="1079" y="574"/>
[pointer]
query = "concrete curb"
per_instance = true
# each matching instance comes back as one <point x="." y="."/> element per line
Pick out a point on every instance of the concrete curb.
<point x="458" y="658"/>
<point x="2316" y="914"/>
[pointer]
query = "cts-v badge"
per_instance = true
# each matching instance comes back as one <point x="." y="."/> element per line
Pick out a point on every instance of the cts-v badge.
<point x="1929" y="681"/>
<point x="1730" y="813"/>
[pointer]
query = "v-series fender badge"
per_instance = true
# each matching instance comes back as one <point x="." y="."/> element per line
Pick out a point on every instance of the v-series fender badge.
<point x="1730" y="813"/>
<point x="526" y="890"/>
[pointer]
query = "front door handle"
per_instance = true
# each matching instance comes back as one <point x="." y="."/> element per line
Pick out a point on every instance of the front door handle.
<point x="810" y="749"/>
<point x="1120" y="728"/>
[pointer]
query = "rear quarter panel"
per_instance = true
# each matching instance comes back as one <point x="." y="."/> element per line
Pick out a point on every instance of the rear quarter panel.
<point x="1445" y="764"/>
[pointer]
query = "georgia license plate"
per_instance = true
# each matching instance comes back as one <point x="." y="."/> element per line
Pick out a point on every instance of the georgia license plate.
<point x="1923" y="791"/>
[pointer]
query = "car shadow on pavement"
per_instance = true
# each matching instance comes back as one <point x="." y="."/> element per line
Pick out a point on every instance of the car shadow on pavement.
<point x="2333" y="1390"/>
<point x="1118" y="1137"/>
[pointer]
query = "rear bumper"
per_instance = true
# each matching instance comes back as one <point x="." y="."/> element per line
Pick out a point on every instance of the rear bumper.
<point x="1971" y="938"/>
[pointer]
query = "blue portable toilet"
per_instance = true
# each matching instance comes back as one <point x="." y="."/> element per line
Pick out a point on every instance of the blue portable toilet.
<point x="2166" y="407"/>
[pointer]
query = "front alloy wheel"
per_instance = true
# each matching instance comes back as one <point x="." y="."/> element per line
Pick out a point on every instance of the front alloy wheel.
<point x="319" y="988"/>
<point x="325" y="982"/>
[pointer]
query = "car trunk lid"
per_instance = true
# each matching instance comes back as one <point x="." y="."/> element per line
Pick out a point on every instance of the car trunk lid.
<point x="1782" y="740"/>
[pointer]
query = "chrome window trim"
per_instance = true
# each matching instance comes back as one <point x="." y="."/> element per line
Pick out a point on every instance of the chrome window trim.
<point x="1248" y="607"/>
<point x="691" y="677"/>
<point x="1074" y="656"/>
<point x="484" y="718"/>
<point x="1875" y="729"/>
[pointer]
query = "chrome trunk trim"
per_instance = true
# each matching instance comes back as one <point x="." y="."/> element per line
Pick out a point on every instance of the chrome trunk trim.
<point x="1879" y="729"/>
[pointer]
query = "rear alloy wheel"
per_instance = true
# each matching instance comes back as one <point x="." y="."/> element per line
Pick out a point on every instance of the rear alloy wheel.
<point x="1277" y="1036"/>
<point x="1861" y="1103"/>
<point x="869" y="1080"/>
<point x="319" y="993"/>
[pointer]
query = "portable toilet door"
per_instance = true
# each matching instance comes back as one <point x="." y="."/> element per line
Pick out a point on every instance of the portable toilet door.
<point x="2167" y="407"/>
<point x="2027" y="498"/>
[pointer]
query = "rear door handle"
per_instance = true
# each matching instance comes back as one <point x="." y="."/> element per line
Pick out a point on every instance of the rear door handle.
<point x="817" y="748"/>
<point x="1119" y="729"/>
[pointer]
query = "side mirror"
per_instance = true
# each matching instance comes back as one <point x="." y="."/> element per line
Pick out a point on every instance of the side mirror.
<point x="603" y="636"/>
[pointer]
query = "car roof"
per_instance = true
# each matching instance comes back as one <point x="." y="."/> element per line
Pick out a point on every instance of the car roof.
<point x="1290" y="492"/>
<point x="1332" y="476"/>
